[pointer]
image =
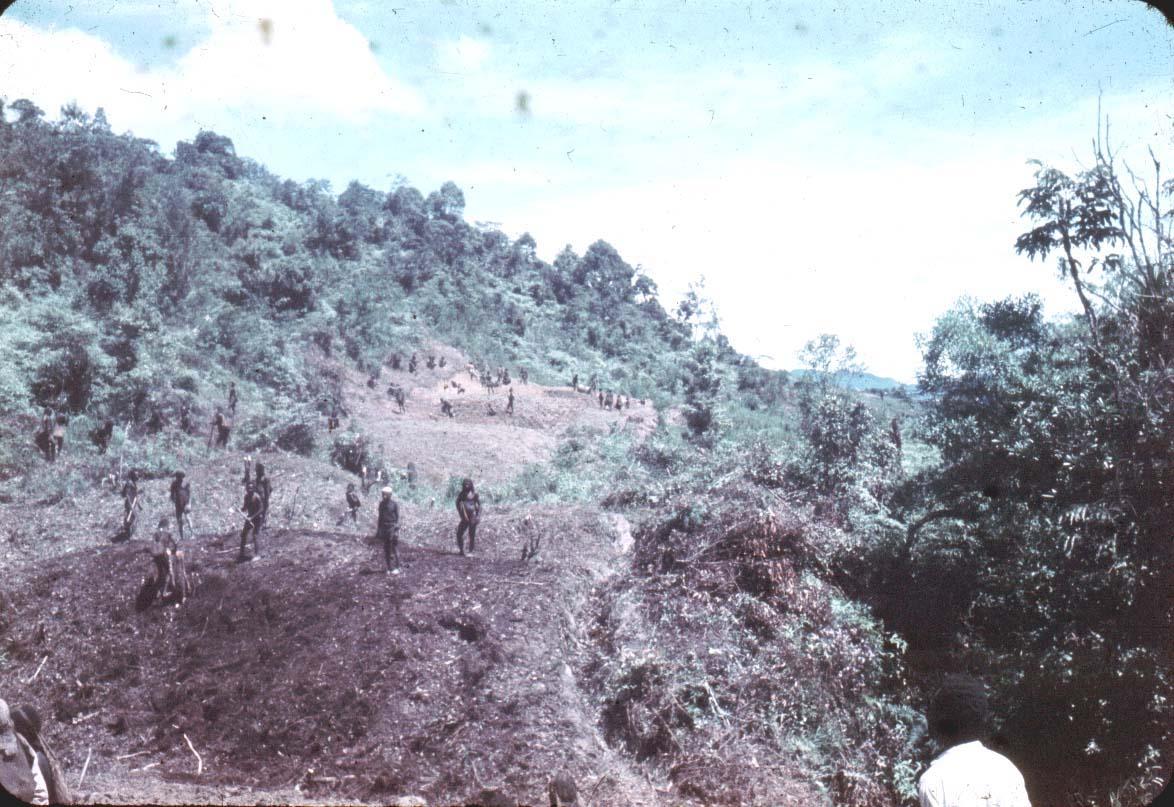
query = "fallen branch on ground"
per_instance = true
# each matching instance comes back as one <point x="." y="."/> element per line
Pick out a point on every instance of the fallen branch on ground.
<point x="38" y="672"/>
<point x="135" y="754"/>
<point x="85" y="768"/>
<point x="516" y="581"/>
<point x="199" y="759"/>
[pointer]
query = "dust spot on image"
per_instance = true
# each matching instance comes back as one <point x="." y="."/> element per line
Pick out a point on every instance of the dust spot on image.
<point x="265" y="25"/>
<point x="170" y="41"/>
<point x="522" y="103"/>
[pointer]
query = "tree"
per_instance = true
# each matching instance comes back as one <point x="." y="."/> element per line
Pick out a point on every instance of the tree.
<point x="827" y="360"/>
<point x="702" y="383"/>
<point x="447" y="203"/>
<point x="697" y="311"/>
<point x="1054" y="438"/>
<point x="846" y="456"/>
<point x="520" y="257"/>
<point x="211" y="143"/>
<point x="526" y="246"/>
<point x="27" y="111"/>
<point x="603" y="273"/>
<point x="561" y="276"/>
<point x="644" y="286"/>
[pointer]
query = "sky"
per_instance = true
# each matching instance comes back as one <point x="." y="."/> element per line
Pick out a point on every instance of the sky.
<point x="825" y="167"/>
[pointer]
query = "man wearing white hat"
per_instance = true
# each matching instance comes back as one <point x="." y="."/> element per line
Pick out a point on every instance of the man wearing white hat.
<point x="20" y="775"/>
<point x="387" y="529"/>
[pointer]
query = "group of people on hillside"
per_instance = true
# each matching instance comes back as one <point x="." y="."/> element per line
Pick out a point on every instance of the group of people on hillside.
<point x="966" y="772"/>
<point x="606" y="398"/>
<point x="606" y="401"/>
<point x="50" y="435"/>
<point x="387" y="521"/>
<point x="170" y="577"/>
<point x="258" y="491"/>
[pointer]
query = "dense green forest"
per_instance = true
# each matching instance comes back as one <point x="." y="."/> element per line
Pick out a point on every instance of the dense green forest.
<point x="156" y="276"/>
<point x="1013" y="520"/>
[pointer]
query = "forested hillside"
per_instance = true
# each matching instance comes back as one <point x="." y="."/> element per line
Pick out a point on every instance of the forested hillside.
<point x="134" y="281"/>
<point x="807" y="560"/>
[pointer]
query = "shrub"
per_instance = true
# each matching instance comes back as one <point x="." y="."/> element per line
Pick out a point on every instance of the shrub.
<point x="351" y="452"/>
<point x="730" y="629"/>
<point x="297" y="437"/>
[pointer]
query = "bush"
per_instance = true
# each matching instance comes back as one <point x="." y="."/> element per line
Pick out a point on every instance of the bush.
<point x="730" y="629"/>
<point x="351" y="452"/>
<point x="297" y="437"/>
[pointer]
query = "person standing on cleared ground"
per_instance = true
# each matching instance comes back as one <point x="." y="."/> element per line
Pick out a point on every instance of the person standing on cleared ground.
<point x="387" y="530"/>
<point x="967" y="773"/>
<point x="469" y="510"/>
<point x="131" y="503"/>
<point x="162" y="549"/>
<point x="264" y="489"/>
<point x="180" y="493"/>
<point x="253" y="509"/>
<point x="353" y="503"/>
<point x="530" y="539"/>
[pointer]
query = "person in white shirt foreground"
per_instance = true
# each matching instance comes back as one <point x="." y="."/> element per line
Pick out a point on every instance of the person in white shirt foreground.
<point x="967" y="773"/>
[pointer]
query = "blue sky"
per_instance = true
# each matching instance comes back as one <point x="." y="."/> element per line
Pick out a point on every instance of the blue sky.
<point x="827" y="168"/>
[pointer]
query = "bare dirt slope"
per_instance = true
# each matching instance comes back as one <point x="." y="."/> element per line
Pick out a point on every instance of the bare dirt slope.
<point x="492" y="449"/>
<point x="488" y="447"/>
<point x="311" y="671"/>
<point x="310" y="675"/>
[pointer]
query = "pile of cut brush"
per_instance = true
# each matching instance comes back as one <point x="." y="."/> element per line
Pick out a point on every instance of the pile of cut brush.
<point x="729" y="659"/>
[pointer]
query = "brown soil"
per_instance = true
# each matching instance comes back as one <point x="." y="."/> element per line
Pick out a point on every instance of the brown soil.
<point x="488" y="447"/>
<point x="312" y="671"/>
<point x="310" y="675"/>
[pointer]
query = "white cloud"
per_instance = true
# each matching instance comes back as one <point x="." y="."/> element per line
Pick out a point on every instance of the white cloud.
<point x="463" y="55"/>
<point x="790" y="250"/>
<point x="870" y="237"/>
<point x="756" y="95"/>
<point x="289" y="54"/>
<point x="501" y="174"/>
<point x="280" y="60"/>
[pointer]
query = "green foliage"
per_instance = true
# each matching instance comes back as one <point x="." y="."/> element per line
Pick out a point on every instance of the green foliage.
<point x="730" y="628"/>
<point x="845" y="459"/>
<point x="588" y="467"/>
<point x="125" y="270"/>
<point x="702" y="386"/>
<point x="299" y="438"/>
<point x="1056" y="476"/>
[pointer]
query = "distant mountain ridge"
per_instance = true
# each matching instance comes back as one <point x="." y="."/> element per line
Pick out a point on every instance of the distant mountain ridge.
<point x="864" y="381"/>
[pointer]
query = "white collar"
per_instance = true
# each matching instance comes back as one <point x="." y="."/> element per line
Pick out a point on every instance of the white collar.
<point x="963" y="748"/>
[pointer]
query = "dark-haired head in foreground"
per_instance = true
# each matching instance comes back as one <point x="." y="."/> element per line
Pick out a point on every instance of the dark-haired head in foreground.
<point x="967" y="772"/>
<point x="959" y="711"/>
